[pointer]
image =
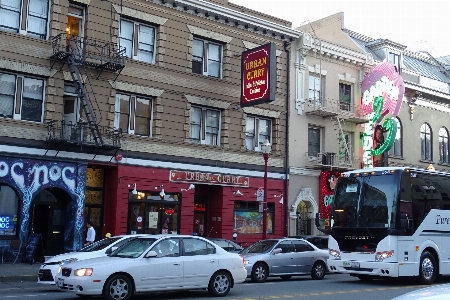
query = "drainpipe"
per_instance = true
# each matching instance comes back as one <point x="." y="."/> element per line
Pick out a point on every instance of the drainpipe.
<point x="286" y="168"/>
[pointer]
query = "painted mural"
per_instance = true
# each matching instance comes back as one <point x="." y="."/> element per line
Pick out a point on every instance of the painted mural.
<point x="28" y="177"/>
<point x="327" y="182"/>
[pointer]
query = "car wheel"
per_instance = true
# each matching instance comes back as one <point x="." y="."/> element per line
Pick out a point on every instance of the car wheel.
<point x="318" y="270"/>
<point x="428" y="268"/>
<point x="118" y="287"/>
<point x="219" y="284"/>
<point x="285" y="277"/>
<point x="259" y="273"/>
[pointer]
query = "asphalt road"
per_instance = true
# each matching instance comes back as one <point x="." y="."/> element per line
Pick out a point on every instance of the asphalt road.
<point x="332" y="287"/>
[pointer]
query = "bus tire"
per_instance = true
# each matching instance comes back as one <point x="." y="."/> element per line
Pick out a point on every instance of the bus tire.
<point x="427" y="268"/>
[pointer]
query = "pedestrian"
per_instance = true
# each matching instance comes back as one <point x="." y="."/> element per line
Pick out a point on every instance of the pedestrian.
<point x="90" y="237"/>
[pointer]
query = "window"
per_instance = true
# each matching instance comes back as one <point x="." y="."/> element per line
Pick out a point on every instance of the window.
<point x="14" y="12"/>
<point x="425" y="142"/>
<point x="396" y="149"/>
<point x="443" y="145"/>
<point x="133" y="114"/>
<point x="395" y="60"/>
<point x="30" y="92"/>
<point x="9" y="208"/>
<point x="138" y="40"/>
<point x="345" y="148"/>
<point x="314" y="141"/>
<point x="248" y="217"/>
<point x="257" y="130"/>
<point x="206" y="58"/>
<point x="316" y="88"/>
<point x="205" y="126"/>
<point x="345" y="96"/>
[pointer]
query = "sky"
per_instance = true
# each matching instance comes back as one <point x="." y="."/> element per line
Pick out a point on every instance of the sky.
<point x="419" y="25"/>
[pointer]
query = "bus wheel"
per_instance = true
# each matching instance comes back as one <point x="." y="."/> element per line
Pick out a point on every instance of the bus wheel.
<point x="427" y="268"/>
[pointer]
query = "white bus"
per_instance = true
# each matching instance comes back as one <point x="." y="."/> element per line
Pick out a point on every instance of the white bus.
<point x="390" y="222"/>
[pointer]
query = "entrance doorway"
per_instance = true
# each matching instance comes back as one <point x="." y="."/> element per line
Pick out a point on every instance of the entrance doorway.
<point x="199" y="215"/>
<point x="48" y="218"/>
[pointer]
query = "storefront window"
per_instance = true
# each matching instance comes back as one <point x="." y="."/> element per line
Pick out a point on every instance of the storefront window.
<point x="152" y="213"/>
<point x="248" y="217"/>
<point x="9" y="207"/>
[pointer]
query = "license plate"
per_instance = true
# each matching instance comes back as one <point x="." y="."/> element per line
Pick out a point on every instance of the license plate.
<point x="60" y="282"/>
<point x="351" y="264"/>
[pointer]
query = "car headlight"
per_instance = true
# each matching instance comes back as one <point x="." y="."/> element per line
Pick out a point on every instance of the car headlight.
<point x="59" y="270"/>
<point x="336" y="254"/>
<point x="68" y="261"/>
<point x="380" y="256"/>
<point x="83" y="272"/>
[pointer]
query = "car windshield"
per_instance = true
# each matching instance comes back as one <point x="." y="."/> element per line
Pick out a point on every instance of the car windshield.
<point x="260" y="247"/>
<point x="134" y="248"/>
<point x="100" y="245"/>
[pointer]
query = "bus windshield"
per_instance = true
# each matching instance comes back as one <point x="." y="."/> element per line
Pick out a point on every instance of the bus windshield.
<point x="366" y="201"/>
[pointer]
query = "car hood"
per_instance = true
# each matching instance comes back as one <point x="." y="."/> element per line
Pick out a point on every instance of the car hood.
<point x="77" y="255"/>
<point x="250" y="255"/>
<point x="98" y="261"/>
<point x="436" y="292"/>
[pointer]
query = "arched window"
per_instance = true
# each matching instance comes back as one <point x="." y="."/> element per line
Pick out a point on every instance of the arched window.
<point x="425" y="142"/>
<point x="443" y="145"/>
<point x="396" y="149"/>
<point x="9" y="208"/>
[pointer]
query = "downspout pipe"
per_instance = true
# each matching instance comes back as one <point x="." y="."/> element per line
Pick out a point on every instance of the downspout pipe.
<point x="286" y="163"/>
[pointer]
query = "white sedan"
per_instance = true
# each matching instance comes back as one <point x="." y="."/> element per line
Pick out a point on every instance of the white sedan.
<point x="156" y="263"/>
<point x="51" y="266"/>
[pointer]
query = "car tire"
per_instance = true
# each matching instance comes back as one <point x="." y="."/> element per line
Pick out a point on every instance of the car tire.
<point x="318" y="270"/>
<point x="427" y="268"/>
<point x="219" y="284"/>
<point x="285" y="277"/>
<point x="259" y="273"/>
<point x="118" y="287"/>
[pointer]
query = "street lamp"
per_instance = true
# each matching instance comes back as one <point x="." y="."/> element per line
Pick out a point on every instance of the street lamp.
<point x="266" y="149"/>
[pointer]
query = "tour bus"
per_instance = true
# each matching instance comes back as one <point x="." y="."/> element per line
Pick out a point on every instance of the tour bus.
<point x="390" y="222"/>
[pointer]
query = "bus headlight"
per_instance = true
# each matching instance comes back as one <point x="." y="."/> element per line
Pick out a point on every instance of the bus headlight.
<point x="380" y="256"/>
<point x="336" y="254"/>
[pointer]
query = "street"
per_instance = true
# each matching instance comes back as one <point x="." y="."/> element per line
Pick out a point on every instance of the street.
<point x="336" y="287"/>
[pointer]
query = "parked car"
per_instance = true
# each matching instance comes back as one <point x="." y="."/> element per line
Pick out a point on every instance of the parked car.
<point x="155" y="263"/>
<point x="434" y="292"/>
<point x="284" y="257"/>
<point x="50" y="267"/>
<point x="228" y="245"/>
<point x="320" y="241"/>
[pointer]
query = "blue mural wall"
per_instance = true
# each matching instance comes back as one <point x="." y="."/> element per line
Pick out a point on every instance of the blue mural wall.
<point x="28" y="177"/>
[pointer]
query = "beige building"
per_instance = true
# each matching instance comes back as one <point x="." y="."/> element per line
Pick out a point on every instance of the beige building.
<point x="126" y="113"/>
<point x="326" y="121"/>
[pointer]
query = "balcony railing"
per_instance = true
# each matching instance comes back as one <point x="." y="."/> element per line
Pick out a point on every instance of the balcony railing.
<point x="80" y="134"/>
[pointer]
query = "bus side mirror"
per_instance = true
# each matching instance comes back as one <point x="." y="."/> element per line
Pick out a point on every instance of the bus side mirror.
<point x="405" y="222"/>
<point x="317" y="222"/>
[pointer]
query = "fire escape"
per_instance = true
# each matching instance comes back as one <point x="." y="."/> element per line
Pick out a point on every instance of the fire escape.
<point x="85" y="58"/>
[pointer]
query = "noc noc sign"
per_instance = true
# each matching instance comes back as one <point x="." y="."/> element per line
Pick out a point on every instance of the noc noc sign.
<point x="258" y="69"/>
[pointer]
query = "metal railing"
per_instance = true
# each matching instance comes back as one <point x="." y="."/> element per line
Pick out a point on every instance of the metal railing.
<point x="80" y="133"/>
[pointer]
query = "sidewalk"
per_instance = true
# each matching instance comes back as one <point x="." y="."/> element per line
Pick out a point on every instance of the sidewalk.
<point x="10" y="272"/>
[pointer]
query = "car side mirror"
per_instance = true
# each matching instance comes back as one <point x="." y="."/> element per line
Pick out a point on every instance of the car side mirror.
<point x="151" y="253"/>
<point x="277" y="250"/>
<point x="111" y="250"/>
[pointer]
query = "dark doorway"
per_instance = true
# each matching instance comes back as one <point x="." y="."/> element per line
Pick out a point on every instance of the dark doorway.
<point x="48" y="218"/>
<point x="199" y="215"/>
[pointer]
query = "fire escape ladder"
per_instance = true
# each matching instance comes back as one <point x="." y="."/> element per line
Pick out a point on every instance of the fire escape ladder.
<point x="86" y="95"/>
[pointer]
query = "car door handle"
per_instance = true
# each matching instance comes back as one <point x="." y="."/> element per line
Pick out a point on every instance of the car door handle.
<point x="212" y="261"/>
<point x="176" y="264"/>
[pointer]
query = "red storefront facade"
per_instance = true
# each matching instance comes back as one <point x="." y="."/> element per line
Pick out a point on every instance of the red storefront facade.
<point x="211" y="204"/>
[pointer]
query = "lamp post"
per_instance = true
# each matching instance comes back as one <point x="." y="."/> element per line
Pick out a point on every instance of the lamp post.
<point x="266" y="149"/>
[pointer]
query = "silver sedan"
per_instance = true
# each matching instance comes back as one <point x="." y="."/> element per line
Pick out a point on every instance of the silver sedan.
<point x="284" y="257"/>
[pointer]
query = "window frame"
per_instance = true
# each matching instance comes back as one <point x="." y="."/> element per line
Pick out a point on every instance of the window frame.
<point x="443" y="146"/>
<point x="320" y="130"/>
<point x="19" y="93"/>
<point x="343" y="106"/>
<point x="132" y="113"/>
<point x="252" y="208"/>
<point x="206" y="57"/>
<point x="136" y="40"/>
<point x="16" y="224"/>
<point x="426" y="148"/>
<point x="256" y="135"/>
<point x="23" y="18"/>
<point x="397" y="147"/>
<point x="203" y="138"/>
<point x="346" y="157"/>
<point x="321" y="92"/>
<point x="394" y="59"/>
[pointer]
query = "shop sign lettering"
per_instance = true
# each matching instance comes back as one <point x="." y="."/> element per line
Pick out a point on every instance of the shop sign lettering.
<point x="209" y="178"/>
